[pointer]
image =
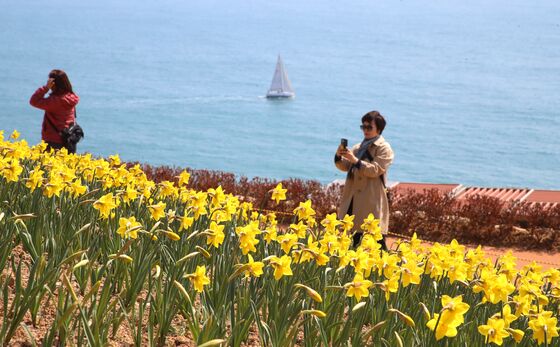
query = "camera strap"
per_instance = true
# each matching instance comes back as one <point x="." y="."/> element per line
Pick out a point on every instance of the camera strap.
<point x="59" y="132"/>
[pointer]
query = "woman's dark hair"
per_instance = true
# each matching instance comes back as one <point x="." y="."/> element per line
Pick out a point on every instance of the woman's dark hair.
<point x="375" y="117"/>
<point x="62" y="84"/>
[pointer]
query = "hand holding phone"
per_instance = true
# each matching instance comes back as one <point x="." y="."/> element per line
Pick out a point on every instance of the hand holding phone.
<point x="50" y="83"/>
<point x="342" y="148"/>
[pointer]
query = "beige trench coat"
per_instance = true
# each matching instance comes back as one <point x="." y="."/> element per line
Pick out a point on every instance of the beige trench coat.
<point x="365" y="187"/>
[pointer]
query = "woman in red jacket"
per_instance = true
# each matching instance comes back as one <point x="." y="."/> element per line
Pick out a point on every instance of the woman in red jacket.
<point x="59" y="106"/>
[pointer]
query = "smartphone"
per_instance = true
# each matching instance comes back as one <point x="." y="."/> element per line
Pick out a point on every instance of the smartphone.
<point x="344" y="143"/>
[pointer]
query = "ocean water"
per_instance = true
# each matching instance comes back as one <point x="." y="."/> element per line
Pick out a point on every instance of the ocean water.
<point x="470" y="89"/>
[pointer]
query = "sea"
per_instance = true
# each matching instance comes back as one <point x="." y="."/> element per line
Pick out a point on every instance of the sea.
<point x="470" y="89"/>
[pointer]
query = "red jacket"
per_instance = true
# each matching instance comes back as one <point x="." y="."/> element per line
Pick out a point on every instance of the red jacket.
<point x="60" y="109"/>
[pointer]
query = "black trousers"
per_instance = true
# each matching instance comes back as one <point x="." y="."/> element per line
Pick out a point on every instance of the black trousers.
<point x="357" y="237"/>
<point x="57" y="146"/>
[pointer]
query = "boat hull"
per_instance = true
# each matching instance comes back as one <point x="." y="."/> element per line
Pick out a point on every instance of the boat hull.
<point x="281" y="95"/>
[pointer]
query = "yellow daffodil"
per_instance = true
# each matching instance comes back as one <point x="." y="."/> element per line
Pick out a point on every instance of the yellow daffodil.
<point x="387" y="264"/>
<point x="506" y="315"/>
<point x="358" y="288"/>
<point x="329" y="244"/>
<point x="247" y="236"/>
<point x="167" y="189"/>
<point x="35" y="179"/>
<point x="456" y="249"/>
<point x="532" y="267"/>
<point x="279" y="193"/>
<point x="198" y="204"/>
<point x="347" y="223"/>
<point x="77" y="188"/>
<point x="230" y="207"/>
<point x="218" y="196"/>
<point x="390" y="285"/>
<point x="287" y="241"/>
<point x="114" y="160"/>
<point x="457" y="270"/>
<point x="320" y="257"/>
<point x="517" y="334"/>
<point x="304" y="211"/>
<point x="544" y="324"/>
<point x="281" y="266"/>
<point x="129" y="194"/>
<point x="105" y="205"/>
<point x="369" y="243"/>
<point x="454" y="308"/>
<point x="309" y="251"/>
<point x="451" y="317"/>
<point x="414" y="242"/>
<point x="300" y="229"/>
<point x="411" y="273"/>
<point x="157" y="211"/>
<point x="11" y="169"/>
<point x="330" y="222"/>
<point x="184" y="177"/>
<point x="496" y="288"/>
<point x="344" y="242"/>
<point x="371" y="226"/>
<point x="356" y="259"/>
<point x="216" y="234"/>
<point x="311" y="221"/>
<point x="494" y="331"/>
<point x="186" y="222"/>
<point x="54" y="186"/>
<point x="254" y="268"/>
<point x="443" y="329"/>
<point x="15" y="135"/>
<point x="128" y="227"/>
<point x="507" y="265"/>
<point x="500" y="289"/>
<point x="270" y="233"/>
<point x="199" y="278"/>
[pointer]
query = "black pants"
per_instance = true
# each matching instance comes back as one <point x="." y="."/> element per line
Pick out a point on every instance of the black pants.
<point x="357" y="237"/>
<point x="57" y="146"/>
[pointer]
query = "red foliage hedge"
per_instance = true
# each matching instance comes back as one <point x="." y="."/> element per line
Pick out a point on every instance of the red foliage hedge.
<point x="431" y="214"/>
<point x="476" y="220"/>
<point x="256" y="190"/>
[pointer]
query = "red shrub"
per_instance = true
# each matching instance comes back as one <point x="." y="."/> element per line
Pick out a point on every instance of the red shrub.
<point x="431" y="214"/>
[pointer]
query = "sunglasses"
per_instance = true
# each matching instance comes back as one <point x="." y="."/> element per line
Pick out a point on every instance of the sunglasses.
<point x="366" y="127"/>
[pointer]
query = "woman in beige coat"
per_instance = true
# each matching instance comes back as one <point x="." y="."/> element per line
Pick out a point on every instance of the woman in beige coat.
<point x="366" y="163"/>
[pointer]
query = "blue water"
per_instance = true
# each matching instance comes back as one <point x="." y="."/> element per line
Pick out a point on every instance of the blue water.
<point x="470" y="89"/>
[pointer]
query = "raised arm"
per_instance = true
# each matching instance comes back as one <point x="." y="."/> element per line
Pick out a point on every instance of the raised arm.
<point x="341" y="163"/>
<point x="38" y="99"/>
<point x="382" y="160"/>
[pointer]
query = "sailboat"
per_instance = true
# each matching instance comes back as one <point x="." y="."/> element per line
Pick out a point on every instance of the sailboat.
<point x="280" y="86"/>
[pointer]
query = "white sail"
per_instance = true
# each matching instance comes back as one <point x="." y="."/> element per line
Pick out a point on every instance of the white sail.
<point x="281" y="87"/>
